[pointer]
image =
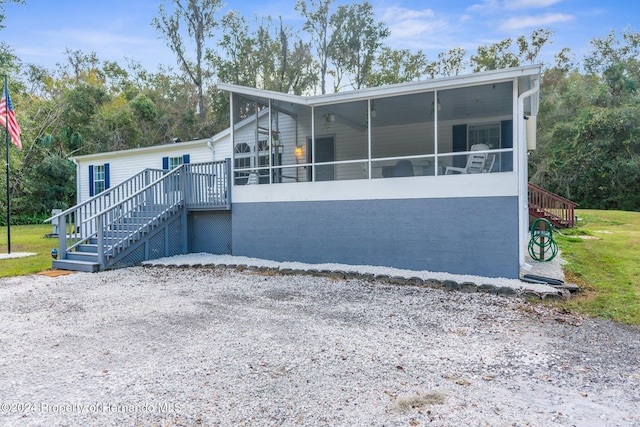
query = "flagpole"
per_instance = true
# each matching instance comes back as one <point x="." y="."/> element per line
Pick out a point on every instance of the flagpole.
<point x="6" y="133"/>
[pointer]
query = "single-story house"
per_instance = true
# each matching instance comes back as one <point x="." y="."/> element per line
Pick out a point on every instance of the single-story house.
<point x="427" y="175"/>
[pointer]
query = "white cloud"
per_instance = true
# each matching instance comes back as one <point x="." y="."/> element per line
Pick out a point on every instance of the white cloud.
<point x="412" y="28"/>
<point x="496" y="6"/>
<point x="520" y="22"/>
<point x="487" y="6"/>
<point x="401" y="14"/>
<point x="529" y="4"/>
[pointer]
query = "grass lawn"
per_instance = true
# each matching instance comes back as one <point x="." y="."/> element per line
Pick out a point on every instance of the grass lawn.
<point x="27" y="238"/>
<point x="603" y="255"/>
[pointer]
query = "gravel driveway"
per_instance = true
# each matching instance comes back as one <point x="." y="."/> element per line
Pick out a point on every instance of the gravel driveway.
<point x="206" y="346"/>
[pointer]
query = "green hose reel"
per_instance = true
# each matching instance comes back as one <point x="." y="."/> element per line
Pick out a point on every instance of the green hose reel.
<point x="542" y="247"/>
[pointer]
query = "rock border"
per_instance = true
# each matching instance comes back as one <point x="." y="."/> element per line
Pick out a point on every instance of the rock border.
<point x="447" y="285"/>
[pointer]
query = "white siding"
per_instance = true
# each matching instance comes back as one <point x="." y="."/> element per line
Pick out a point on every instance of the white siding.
<point x="126" y="163"/>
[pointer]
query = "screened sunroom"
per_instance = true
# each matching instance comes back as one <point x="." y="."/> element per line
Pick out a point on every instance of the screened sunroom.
<point x="428" y="133"/>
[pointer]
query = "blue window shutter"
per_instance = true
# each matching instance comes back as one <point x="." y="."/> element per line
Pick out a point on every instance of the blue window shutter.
<point x="185" y="159"/>
<point x="506" y="135"/>
<point x="90" y="180"/>
<point x="107" y="181"/>
<point x="165" y="163"/>
<point x="459" y="144"/>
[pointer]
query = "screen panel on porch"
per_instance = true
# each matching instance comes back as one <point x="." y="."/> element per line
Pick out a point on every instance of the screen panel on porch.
<point x="476" y="118"/>
<point x="403" y="135"/>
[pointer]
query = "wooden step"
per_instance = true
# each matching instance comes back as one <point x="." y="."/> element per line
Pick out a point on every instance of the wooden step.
<point x="67" y="264"/>
<point x="88" y="248"/>
<point x="82" y="256"/>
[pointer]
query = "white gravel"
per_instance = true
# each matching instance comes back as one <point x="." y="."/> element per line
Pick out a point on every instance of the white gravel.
<point x="217" y="347"/>
<point x="551" y="269"/>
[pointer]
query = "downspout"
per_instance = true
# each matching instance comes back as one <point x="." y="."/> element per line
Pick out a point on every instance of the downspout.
<point x="523" y="199"/>
<point x="213" y="151"/>
<point x="78" y="181"/>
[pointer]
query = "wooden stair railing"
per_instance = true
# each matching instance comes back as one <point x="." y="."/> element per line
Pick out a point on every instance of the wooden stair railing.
<point x="545" y="204"/>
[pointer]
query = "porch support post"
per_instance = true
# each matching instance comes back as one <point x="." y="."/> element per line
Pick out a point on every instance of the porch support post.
<point x="228" y="181"/>
<point x="62" y="236"/>
<point x="313" y="144"/>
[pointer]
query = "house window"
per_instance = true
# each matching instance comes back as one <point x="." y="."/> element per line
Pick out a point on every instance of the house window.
<point x="174" y="162"/>
<point x="98" y="178"/>
<point x="242" y="156"/>
<point x="242" y="160"/>
<point x="488" y="134"/>
<point x="170" y="163"/>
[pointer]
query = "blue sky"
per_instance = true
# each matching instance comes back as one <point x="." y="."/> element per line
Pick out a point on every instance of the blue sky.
<point x="40" y="30"/>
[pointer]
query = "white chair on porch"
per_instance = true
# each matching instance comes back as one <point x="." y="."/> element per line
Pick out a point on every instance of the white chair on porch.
<point x="253" y="178"/>
<point x="475" y="162"/>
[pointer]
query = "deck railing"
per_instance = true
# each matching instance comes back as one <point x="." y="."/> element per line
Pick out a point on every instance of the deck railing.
<point x="208" y="185"/>
<point x="72" y="223"/>
<point x="126" y="211"/>
<point x="125" y="222"/>
<point x="545" y="204"/>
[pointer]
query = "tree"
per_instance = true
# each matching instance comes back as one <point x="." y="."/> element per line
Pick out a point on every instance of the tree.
<point x="263" y="57"/>
<point x="2" y="13"/>
<point x="494" y="57"/>
<point x="587" y="149"/>
<point x="82" y="64"/>
<point x="610" y="50"/>
<point x="237" y="66"/>
<point x="199" y="16"/>
<point x="449" y="63"/>
<point x="397" y="66"/>
<point x="355" y="40"/>
<point x="318" y="26"/>
<point x="529" y="50"/>
<point x="500" y="55"/>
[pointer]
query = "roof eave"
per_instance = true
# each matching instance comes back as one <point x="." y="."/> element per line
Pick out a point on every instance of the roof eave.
<point x="389" y="90"/>
<point x="150" y="148"/>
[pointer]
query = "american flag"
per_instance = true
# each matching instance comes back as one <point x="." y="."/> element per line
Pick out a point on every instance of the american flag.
<point x="8" y="117"/>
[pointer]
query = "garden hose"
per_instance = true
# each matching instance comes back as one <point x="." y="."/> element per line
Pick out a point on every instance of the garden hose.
<point x="542" y="247"/>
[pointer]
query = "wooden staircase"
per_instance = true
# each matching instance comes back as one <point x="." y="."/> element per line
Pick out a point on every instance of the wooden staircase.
<point x="142" y="218"/>
<point x="560" y="212"/>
